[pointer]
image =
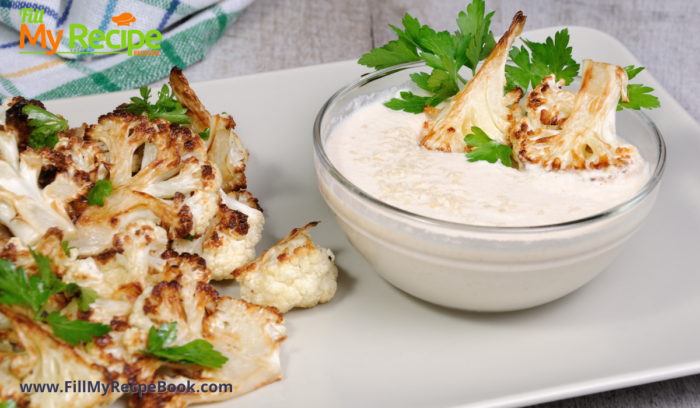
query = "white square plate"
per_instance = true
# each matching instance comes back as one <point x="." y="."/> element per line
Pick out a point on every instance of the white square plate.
<point x="374" y="346"/>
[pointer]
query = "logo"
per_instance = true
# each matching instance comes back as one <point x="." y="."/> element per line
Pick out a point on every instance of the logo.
<point x="124" y="19"/>
<point x="78" y="36"/>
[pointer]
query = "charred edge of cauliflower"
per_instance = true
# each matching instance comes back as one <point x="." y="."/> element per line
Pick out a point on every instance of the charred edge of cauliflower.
<point x="249" y="335"/>
<point x="293" y="273"/>
<point x="480" y="103"/>
<point x="48" y="360"/>
<point x="549" y="104"/>
<point x="587" y="138"/>
<point x="198" y="114"/>
<point x="235" y="231"/>
<point x="16" y="119"/>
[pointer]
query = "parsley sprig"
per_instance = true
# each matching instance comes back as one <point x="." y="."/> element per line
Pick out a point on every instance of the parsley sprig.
<point x="33" y="292"/>
<point x="488" y="149"/>
<point x="166" y="107"/>
<point x="442" y="51"/>
<point x="195" y="352"/>
<point x="550" y="57"/>
<point x="638" y="94"/>
<point x="8" y="404"/>
<point x="97" y="193"/>
<point x="45" y="126"/>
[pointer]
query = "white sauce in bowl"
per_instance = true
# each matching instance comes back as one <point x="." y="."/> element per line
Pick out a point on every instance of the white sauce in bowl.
<point x="377" y="149"/>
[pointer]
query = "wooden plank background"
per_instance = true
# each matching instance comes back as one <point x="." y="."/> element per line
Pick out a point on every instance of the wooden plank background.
<point x="663" y="34"/>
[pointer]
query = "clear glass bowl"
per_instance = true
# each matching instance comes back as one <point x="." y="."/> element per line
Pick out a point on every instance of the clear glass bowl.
<point x="474" y="267"/>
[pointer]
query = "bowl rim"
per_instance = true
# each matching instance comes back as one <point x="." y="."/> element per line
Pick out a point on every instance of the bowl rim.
<point x="364" y="196"/>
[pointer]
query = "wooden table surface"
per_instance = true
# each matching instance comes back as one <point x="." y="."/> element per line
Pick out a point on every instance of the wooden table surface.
<point x="663" y="34"/>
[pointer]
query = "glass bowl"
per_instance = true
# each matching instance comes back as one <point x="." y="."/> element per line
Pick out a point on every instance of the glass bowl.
<point x="480" y="268"/>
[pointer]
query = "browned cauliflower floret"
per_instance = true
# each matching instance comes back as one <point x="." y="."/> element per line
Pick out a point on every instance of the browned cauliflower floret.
<point x="176" y="187"/>
<point x="28" y="208"/>
<point x="249" y="335"/>
<point x="548" y="104"/>
<point x="293" y="273"/>
<point x="122" y="272"/>
<point x="224" y="147"/>
<point x="480" y="103"/>
<point x="46" y="360"/>
<point x="586" y="139"/>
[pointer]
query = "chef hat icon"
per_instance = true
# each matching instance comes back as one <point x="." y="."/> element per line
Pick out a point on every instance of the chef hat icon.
<point x="124" y="19"/>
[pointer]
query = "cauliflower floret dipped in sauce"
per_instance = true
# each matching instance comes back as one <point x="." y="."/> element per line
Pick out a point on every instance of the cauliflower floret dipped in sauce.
<point x="583" y="138"/>
<point x="293" y="273"/>
<point x="480" y="103"/>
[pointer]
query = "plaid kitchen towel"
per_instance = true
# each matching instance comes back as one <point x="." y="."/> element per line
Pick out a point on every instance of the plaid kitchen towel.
<point x="189" y="30"/>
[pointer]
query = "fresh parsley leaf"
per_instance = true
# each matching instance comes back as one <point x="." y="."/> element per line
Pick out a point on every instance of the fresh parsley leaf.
<point x="166" y="107"/>
<point x="8" y="404"/>
<point x="140" y="105"/>
<point x="96" y="194"/>
<point x="474" y="24"/>
<point x="87" y="297"/>
<point x="639" y="95"/>
<point x="73" y="331"/>
<point x="46" y="127"/>
<point x="189" y="237"/>
<point x="413" y="103"/>
<point x="632" y="71"/>
<point x="488" y="149"/>
<point x="16" y="288"/>
<point x="393" y="53"/>
<point x="204" y="134"/>
<point x="66" y="248"/>
<point x="550" y="57"/>
<point x="195" y="352"/>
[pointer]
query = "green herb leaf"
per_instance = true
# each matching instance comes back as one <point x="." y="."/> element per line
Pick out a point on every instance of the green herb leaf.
<point x="639" y="97"/>
<point x="66" y="248"/>
<point x="638" y="94"/>
<point x="87" y="297"/>
<point x="166" y="107"/>
<point x="73" y="331"/>
<point x="189" y="237"/>
<point x="8" y="404"/>
<point x="393" y="53"/>
<point x="46" y="127"/>
<point x="195" y="352"/>
<point x="550" y="57"/>
<point x="475" y="25"/>
<point x="488" y="149"/>
<point x="204" y="134"/>
<point x="96" y="195"/>
<point x="413" y="103"/>
<point x="16" y="288"/>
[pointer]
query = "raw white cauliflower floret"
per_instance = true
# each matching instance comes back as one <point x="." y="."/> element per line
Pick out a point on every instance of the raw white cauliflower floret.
<point x="293" y="273"/>
<point x="480" y="103"/>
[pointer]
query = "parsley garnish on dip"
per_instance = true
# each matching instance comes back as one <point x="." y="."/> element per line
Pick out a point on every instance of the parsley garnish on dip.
<point x="536" y="152"/>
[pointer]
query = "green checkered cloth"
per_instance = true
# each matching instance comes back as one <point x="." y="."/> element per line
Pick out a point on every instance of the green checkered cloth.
<point x="190" y="29"/>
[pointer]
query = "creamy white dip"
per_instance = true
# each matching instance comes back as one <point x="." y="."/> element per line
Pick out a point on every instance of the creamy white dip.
<point x="377" y="149"/>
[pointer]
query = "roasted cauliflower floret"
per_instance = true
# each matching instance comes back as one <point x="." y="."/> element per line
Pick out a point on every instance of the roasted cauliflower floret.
<point x="159" y="191"/>
<point x="249" y="335"/>
<point x="182" y="296"/>
<point x="548" y="104"/>
<point x="586" y="139"/>
<point x="49" y="245"/>
<point x="237" y="228"/>
<point x="224" y="147"/>
<point x="123" y="271"/>
<point x="293" y="273"/>
<point x="27" y="209"/>
<point x="50" y="361"/>
<point x="480" y="103"/>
